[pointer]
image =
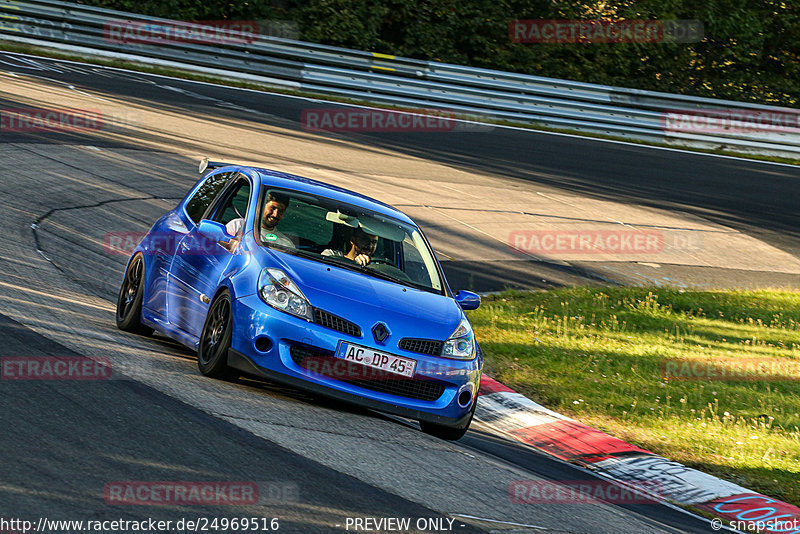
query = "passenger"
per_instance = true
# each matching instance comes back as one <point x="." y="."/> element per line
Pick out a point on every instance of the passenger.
<point x="362" y="247"/>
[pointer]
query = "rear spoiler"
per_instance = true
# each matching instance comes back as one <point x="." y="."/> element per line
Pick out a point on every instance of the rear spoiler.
<point x="206" y="165"/>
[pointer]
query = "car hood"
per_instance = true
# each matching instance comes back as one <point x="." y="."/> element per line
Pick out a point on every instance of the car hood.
<point x="366" y="300"/>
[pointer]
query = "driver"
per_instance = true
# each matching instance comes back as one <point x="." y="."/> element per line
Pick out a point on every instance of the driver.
<point x="273" y="212"/>
<point x="362" y="247"/>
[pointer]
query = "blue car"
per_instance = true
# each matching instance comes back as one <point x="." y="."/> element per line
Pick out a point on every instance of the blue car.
<point x="311" y="285"/>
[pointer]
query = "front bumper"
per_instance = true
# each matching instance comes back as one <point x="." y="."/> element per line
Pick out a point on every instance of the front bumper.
<point x="263" y="342"/>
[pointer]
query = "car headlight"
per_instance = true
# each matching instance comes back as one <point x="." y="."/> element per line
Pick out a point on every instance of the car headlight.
<point x="461" y="344"/>
<point x="279" y="291"/>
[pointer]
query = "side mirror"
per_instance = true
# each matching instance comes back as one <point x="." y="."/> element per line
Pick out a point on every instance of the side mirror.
<point x="468" y="300"/>
<point x="214" y="231"/>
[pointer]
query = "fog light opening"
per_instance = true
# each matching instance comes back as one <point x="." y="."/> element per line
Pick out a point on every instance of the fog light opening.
<point x="465" y="396"/>
<point x="263" y="344"/>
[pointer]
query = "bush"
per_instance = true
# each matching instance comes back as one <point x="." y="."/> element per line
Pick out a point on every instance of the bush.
<point x="751" y="49"/>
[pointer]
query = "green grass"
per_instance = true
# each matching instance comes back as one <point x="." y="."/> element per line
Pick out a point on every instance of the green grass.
<point x="601" y="355"/>
<point x="234" y="82"/>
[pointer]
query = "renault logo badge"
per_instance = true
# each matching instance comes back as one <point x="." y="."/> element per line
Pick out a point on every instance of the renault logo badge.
<point x="380" y="332"/>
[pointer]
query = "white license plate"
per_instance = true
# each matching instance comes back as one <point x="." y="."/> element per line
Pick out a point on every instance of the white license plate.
<point x="376" y="359"/>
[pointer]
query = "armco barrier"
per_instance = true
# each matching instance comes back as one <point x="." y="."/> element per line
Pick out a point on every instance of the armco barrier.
<point x="386" y="79"/>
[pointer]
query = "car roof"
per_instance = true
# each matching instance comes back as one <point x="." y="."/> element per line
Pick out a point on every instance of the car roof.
<point x="283" y="180"/>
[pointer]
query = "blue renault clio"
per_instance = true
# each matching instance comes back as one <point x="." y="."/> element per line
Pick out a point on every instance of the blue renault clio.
<point x="311" y="285"/>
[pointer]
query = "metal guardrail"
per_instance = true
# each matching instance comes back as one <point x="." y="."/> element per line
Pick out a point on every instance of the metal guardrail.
<point x="385" y="79"/>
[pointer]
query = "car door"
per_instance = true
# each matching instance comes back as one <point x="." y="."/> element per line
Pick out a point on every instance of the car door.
<point x="199" y="263"/>
<point x="160" y="249"/>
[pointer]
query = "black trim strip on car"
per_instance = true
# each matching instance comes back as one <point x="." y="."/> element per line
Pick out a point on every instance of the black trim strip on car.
<point x="354" y="331"/>
<point x="433" y="347"/>
<point x="239" y="361"/>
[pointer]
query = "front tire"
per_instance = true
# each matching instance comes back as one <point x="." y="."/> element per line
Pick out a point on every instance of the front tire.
<point x="129" y="301"/>
<point x="212" y="351"/>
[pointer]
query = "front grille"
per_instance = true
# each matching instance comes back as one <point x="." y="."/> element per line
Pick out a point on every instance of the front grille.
<point x="431" y="347"/>
<point x="334" y="322"/>
<point x="324" y="363"/>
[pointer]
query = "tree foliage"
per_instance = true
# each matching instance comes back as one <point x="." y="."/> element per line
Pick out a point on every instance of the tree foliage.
<point x="750" y="51"/>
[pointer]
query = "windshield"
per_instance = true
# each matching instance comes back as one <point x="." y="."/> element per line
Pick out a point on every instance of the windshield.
<point x="353" y="238"/>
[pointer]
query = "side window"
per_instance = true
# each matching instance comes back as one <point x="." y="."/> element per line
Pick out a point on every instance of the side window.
<point x="198" y="204"/>
<point x="235" y="205"/>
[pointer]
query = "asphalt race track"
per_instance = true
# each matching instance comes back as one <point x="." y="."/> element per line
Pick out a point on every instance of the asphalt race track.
<point x="64" y="440"/>
<point x="316" y="463"/>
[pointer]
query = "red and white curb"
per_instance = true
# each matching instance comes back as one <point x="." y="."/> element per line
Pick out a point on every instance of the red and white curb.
<point x="511" y="413"/>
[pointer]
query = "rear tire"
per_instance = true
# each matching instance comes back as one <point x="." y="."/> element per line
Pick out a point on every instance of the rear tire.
<point x="212" y="351"/>
<point x="129" y="301"/>
<point x="448" y="433"/>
